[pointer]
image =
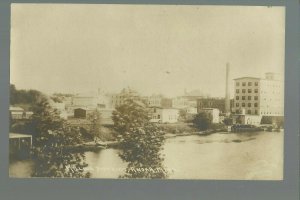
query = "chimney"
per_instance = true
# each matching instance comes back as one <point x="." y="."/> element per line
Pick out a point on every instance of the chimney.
<point x="227" y="94"/>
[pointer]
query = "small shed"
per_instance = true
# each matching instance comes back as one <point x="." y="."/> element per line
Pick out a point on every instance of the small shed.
<point x="82" y="112"/>
<point x="19" y="145"/>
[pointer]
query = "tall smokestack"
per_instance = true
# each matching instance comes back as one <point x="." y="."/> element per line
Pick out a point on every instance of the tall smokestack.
<point x="227" y="94"/>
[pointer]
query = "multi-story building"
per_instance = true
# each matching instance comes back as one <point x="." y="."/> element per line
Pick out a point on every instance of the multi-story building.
<point x="120" y="98"/>
<point x="259" y="96"/>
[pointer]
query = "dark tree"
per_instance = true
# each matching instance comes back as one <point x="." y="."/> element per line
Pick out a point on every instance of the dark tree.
<point x="202" y="121"/>
<point x="140" y="141"/>
<point x="228" y="121"/>
<point x="95" y="130"/>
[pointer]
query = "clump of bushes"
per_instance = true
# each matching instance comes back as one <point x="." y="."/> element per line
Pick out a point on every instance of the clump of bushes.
<point x="178" y="128"/>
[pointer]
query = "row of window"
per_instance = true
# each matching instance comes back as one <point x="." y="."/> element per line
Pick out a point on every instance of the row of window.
<point x="244" y="105"/>
<point x="245" y="83"/>
<point x="256" y="112"/>
<point x="244" y="98"/>
<point x="244" y="91"/>
<point x="248" y="111"/>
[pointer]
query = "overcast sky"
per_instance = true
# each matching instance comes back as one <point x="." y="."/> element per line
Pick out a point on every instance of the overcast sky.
<point x="152" y="48"/>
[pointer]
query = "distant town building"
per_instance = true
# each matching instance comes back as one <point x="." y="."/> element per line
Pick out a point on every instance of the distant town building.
<point x="120" y="98"/>
<point x="189" y="99"/>
<point x="85" y="101"/>
<point x="19" y="113"/>
<point x="16" y="112"/>
<point x="218" y="103"/>
<point x="191" y="110"/>
<point x="82" y="113"/>
<point x="259" y="96"/>
<point x="164" y="115"/>
<point x="214" y="113"/>
<point x="158" y="101"/>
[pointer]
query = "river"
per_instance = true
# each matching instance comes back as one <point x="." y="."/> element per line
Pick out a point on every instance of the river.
<point x="242" y="156"/>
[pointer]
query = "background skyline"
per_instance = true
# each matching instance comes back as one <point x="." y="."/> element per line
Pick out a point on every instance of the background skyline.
<point x="151" y="48"/>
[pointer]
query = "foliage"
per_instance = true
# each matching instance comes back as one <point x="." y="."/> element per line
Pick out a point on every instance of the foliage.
<point x="26" y="97"/>
<point x="228" y="121"/>
<point x="239" y="120"/>
<point x="177" y="128"/>
<point x="278" y="121"/>
<point x="218" y="126"/>
<point x="95" y="119"/>
<point x="52" y="140"/>
<point x="266" y="120"/>
<point x="202" y="121"/>
<point x="140" y="140"/>
<point x="182" y="115"/>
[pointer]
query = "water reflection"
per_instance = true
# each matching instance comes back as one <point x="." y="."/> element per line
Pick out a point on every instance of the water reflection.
<point x="216" y="156"/>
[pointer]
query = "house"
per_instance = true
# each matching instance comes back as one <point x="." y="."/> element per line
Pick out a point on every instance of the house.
<point x="164" y="115"/>
<point x="16" y="112"/>
<point x="19" y="113"/>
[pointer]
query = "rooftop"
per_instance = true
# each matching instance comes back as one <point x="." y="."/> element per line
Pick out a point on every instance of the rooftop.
<point x="19" y="135"/>
<point x="246" y="77"/>
<point x="13" y="108"/>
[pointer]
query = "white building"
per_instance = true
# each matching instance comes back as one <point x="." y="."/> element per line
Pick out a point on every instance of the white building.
<point x="214" y="113"/>
<point x="164" y="115"/>
<point x="16" y="112"/>
<point x="19" y="113"/>
<point x="259" y="96"/>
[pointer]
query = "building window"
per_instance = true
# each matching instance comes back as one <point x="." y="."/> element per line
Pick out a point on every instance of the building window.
<point x="249" y="97"/>
<point x="237" y="84"/>
<point x="158" y="116"/>
<point x="256" y="91"/>
<point x="237" y="97"/>
<point x="256" y="98"/>
<point x="237" y="91"/>
<point x="244" y="84"/>
<point x="249" y="84"/>
<point x="256" y="83"/>
<point x="255" y="104"/>
<point x="243" y="104"/>
<point x="256" y="112"/>
<point x="249" y="111"/>
<point x="249" y="90"/>
<point x="243" y="91"/>
<point x="243" y="98"/>
<point x="249" y="104"/>
<point x="237" y="104"/>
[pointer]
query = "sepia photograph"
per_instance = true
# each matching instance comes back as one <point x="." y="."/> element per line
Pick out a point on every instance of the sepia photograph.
<point x="120" y="91"/>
